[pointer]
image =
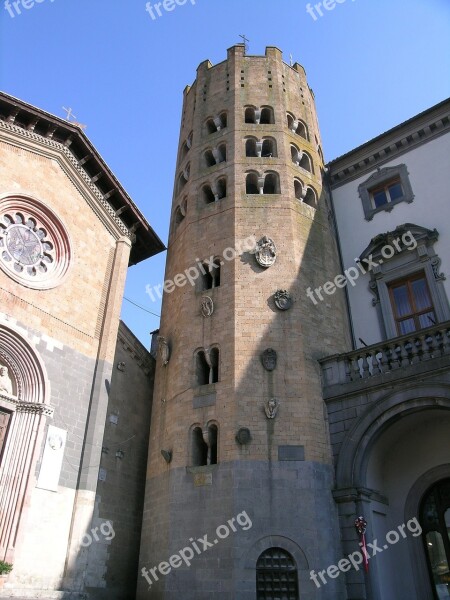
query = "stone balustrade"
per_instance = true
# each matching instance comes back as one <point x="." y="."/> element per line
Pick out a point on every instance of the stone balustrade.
<point x="387" y="356"/>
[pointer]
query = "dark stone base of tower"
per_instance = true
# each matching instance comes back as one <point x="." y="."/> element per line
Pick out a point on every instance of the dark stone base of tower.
<point x="287" y="505"/>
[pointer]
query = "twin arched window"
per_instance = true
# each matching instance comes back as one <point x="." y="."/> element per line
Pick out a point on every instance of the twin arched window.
<point x="259" y="116"/>
<point x="215" y="124"/>
<point x="305" y="194"/>
<point x="301" y="158"/>
<point x="215" y="192"/>
<point x="297" y="126"/>
<point x="215" y="156"/>
<point x="269" y="183"/>
<point x="265" y="148"/>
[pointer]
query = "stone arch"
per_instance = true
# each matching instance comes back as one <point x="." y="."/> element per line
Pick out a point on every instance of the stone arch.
<point x="276" y="541"/>
<point x="355" y="451"/>
<point x="31" y="382"/>
<point x="415" y="544"/>
<point x="28" y="408"/>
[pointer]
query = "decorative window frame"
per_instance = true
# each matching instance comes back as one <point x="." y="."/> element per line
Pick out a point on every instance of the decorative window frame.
<point x="380" y="177"/>
<point x="403" y="264"/>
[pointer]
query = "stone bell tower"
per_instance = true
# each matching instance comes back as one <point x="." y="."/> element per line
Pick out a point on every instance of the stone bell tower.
<point x="239" y="440"/>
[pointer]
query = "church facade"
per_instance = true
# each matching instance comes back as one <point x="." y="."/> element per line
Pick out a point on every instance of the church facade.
<point x="287" y="436"/>
<point x="68" y="232"/>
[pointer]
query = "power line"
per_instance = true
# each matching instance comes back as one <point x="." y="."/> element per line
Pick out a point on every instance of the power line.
<point x="141" y="307"/>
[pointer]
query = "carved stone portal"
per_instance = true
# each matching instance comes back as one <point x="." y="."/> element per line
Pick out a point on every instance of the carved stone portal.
<point x="265" y="252"/>
<point x="271" y="408"/>
<point x="5" y="381"/>
<point x="283" y="300"/>
<point x="269" y="359"/>
<point x="207" y="306"/>
<point x="163" y="349"/>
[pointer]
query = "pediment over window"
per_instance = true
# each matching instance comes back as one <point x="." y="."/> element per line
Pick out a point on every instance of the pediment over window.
<point x="405" y="235"/>
<point x="381" y="175"/>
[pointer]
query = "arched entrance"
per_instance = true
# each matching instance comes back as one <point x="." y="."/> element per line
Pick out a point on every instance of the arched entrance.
<point x="435" y="522"/>
<point x="395" y="443"/>
<point x="24" y="408"/>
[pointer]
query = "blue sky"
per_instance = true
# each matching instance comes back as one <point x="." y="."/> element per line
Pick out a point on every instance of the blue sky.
<point x="371" y="63"/>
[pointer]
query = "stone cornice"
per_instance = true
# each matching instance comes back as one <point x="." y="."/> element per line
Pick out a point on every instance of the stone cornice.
<point x="390" y="145"/>
<point x="137" y="351"/>
<point x="16" y="405"/>
<point x="57" y="151"/>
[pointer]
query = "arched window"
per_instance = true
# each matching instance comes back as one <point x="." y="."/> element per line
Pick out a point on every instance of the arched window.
<point x="310" y="197"/>
<point x="178" y="216"/>
<point x="184" y="151"/>
<point x="199" y="448"/>
<point x="221" y="186"/>
<point x="208" y="159"/>
<point x="210" y="275"/>
<point x="435" y="523"/>
<point x="211" y="126"/>
<point x="302" y="130"/>
<point x="250" y="148"/>
<point x="213" y="434"/>
<point x="183" y="178"/>
<point x="276" y="576"/>
<point x="223" y="117"/>
<point x="271" y="183"/>
<point x="290" y="121"/>
<point x="251" y="184"/>
<point x="214" y="124"/>
<point x="204" y="445"/>
<point x="299" y="189"/>
<point x="295" y="154"/>
<point x="222" y="150"/>
<point x="207" y="366"/>
<point x="207" y="194"/>
<point x="306" y="162"/>
<point x="186" y="146"/>
<point x="201" y="368"/>
<point x="269" y="148"/>
<point x="267" y="117"/>
<point x="250" y="114"/>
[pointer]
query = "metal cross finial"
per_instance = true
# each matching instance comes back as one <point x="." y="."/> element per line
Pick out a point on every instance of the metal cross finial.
<point x="69" y="113"/>
<point x="245" y="40"/>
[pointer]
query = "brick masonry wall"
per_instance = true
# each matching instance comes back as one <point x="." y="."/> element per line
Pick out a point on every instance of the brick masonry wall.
<point x="120" y="497"/>
<point x="72" y="312"/>
<point x="245" y="323"/>
<point x="73" y="328"/>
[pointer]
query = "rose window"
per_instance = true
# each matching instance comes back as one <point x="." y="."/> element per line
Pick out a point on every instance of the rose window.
<point x="34" y="247"/>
